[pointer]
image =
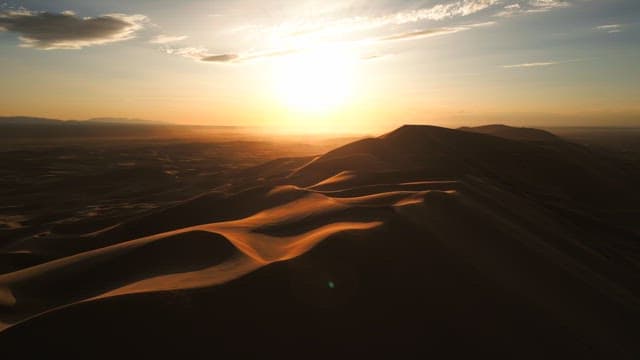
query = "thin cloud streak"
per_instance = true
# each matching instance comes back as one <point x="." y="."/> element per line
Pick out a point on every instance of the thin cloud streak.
<point x="410" y="35"/>
<point x="532" y="7"/>
<point x="611" y="28"/>
<point x="220" y="58"/>
<point x="205" y="55"/>
<point x="423" y="33"/>
<point x="199" y="54"/>
<point x="530" y="65"/>
<point x="543" y="63"/>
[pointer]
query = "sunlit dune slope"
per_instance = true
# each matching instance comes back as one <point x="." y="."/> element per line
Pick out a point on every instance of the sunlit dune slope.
<point x="423" y="242"/>
<point x="231" y="249"/>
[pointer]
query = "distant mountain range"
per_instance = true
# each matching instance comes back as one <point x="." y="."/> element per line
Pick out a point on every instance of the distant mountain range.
<point x="26" y="120"/>
<point x="107" y="120"/>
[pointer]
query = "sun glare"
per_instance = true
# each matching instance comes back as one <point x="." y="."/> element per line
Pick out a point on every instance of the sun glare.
<point x="315" y="82"/>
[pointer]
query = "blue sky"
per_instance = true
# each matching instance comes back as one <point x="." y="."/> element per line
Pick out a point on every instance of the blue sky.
<point x="324" y="64"/>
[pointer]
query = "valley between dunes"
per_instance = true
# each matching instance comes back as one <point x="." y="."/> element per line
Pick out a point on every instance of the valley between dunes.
<point x="423" y="242"/>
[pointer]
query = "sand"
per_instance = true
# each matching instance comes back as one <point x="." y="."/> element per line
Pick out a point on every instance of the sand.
<point x="416" y="250"/>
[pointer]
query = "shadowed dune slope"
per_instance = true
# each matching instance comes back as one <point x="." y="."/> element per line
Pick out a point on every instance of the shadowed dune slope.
<point x="559" y="169"/>
<point x="425" y="242"/>
<point x="513" y="133"/>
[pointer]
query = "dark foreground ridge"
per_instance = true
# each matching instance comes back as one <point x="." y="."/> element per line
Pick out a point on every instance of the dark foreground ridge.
<point x="424" y="242"/>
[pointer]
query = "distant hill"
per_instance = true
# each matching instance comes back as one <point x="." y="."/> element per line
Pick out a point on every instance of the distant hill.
<point x="513" y="133"/>
<point x="25" y="120"/>
<point x="20" y="127"/>
<point x="107" y="120"/>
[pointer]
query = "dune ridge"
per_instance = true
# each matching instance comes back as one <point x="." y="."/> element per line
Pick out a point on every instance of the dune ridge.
<point x="253" y="248"/>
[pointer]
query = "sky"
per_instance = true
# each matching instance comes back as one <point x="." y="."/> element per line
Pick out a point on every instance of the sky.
<point x="324" y="65"/>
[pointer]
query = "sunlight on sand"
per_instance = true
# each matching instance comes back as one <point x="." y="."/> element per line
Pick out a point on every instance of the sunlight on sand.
<point x="311" y="217"/>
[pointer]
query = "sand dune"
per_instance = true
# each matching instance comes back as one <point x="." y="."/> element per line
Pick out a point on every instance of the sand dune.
<point x="316" y="216"/>
<point x="425" y="241"/>
<point x="508" y="132"/>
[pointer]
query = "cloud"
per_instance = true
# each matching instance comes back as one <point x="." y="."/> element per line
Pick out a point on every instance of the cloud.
<point x="165" y="39"/>
<point x="443" y="11"/>
<point x="190" y="52"/>
<point x="544" y="63"/>
<point x="315" y="32"/>
<point x="272" y="54"/>
<point x="220" y="58"/>
<point x="548" y="4"/>
<point x="482" y="24"/>
<point x="423" y="33"/>
<point x="49" y="31"/>
<point x="611" y="29"/>
<point x="206" y="55"/>
<point x="364" y="31"/>
<point x="510" y="10"/>
<point x="532" y="6"/>
<point x="200" y="54"/>
<point x="342" y="26"/>
<point x="203" y="54"/>
<point x="530" y="65"/>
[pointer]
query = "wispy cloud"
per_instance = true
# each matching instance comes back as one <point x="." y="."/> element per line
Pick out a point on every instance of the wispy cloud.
<point x="205" y="55"/>
<point x="438" y="12"/>
<point x="530" y="65"/>
<point x="66" y="30"/>
<point x="510" y="10"/>
<point x="544" y="63"/>
<point x="271" y="54"/>
<point x="368" y="31"/>
<point x="198" y="53"/>
<point x="546" y="5"/>
<point x="220" y="58"/>
<point x="423" y="33"/>
<point x="165" y="39"/>
<point x="611" y="28"/>
<point x="532" y="6"/>
<point x="316" y="32"/>
<point x="482" y="24"/>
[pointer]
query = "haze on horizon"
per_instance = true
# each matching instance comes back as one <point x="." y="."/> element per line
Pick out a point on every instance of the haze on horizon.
<point x="324" y="65"/>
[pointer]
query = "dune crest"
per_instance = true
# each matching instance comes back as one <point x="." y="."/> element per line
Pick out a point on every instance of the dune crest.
<point x="275" y="234"/>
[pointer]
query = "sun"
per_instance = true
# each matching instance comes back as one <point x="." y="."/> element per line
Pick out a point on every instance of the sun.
<point x="316" y="81"/>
